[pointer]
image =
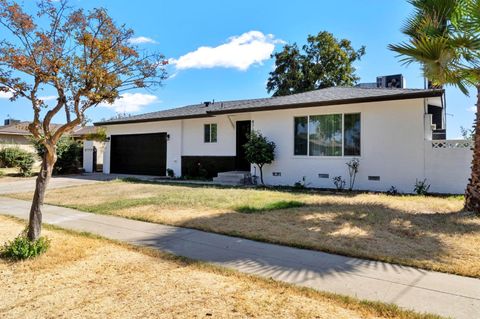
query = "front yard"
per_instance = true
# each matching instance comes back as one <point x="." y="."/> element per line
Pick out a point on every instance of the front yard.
<point x="86" y="277"/>
<point x="12" y="174"/>
<point x="426" y="232"/>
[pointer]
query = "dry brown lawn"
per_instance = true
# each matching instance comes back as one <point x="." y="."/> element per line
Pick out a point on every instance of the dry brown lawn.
<point x="426" y="232"/>
<point x="12" y="174"/>
<point x="85" y="277"/>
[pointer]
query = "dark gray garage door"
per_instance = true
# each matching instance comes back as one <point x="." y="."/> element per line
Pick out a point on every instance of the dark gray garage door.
<point x="143" y="154"/>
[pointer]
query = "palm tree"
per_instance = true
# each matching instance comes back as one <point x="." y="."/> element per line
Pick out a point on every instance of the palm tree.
<point x="444" y="39"/>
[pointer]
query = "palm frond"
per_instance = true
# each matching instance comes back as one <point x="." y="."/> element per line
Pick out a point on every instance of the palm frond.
<point x="445" y="40"/>
<point x="472" y="13"/>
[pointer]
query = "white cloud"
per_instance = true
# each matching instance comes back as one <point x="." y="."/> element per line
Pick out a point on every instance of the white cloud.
<point x="131" y="102"/>
<point x="173" y="75"/>
<point x="239" y="52"/>
<point x="48" y="98"/>
<point x="472" y="109"/>
<point x="5" y="95"/>
<point x="141" y="40"/>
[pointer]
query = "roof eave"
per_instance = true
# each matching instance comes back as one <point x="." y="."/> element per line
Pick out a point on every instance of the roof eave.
<point x="16" y="134"/>
<point x="404" y="96"/>
<point x="392" y="97"/>
<point x="171" y="118"/>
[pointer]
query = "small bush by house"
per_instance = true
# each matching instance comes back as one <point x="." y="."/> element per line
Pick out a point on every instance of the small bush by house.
<point x="69" y="155"/>
<point x="18" y="158"/>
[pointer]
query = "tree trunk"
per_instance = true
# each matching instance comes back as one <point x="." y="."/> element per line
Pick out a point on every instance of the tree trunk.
<point x="472" y="194"/>
<point x="261" y="174"/>
<point x="35" y="220"/>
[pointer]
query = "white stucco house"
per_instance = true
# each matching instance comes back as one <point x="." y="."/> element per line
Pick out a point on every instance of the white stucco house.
<point x="397" y="134"/>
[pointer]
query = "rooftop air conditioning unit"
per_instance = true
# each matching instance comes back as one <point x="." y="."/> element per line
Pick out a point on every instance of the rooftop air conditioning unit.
<point x="395" y="81"/>
<point x="10" y="121"/>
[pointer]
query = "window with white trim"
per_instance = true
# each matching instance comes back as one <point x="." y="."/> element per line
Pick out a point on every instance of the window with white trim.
<point x="210" y="133"/>
<point x="327" y="135"/>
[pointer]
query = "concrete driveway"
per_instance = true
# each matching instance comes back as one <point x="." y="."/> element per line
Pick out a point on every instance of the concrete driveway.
<point x="28" y="184"/>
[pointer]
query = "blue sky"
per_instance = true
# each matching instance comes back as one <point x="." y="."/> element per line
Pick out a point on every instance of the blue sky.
<point x="239" y="37"/>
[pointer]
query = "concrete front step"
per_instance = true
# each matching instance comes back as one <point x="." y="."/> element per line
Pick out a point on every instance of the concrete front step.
<point x="235" y="177"/>
<point x="228" y="180"/>
<point x="239" y="174"/>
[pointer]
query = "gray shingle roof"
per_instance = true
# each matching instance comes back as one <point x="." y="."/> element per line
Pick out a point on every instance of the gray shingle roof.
<point x="17" y="128"/>
<point x="21" y="128"/>
<point x="321" y="97"/>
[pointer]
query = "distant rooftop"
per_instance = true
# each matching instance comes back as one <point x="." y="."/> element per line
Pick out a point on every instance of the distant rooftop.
<point x="16" y="127"/>
<point x="321" y="97"/>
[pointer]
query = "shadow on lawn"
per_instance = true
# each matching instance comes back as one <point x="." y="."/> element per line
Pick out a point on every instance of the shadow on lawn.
<point x="371" y="231"/>
<point x="288" y="264"/>
<point x="305" y="267"/>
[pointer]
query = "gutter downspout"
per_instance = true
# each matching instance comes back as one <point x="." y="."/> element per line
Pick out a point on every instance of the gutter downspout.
<point x="425" y="112"/>
<point x="444" y="106"/>
<point x="181" y="145"/>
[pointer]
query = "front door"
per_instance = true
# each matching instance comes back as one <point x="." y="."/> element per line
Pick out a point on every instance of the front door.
<point x="94" y="160"/>
<point x="243" y="130"/>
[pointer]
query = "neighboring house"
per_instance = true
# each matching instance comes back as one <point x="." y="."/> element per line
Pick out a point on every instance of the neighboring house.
<point x="395" y="133"/>
<point x="15" y="133"/>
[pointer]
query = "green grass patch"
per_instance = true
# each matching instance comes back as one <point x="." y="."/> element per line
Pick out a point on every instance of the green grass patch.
<point x="249" y="209"/>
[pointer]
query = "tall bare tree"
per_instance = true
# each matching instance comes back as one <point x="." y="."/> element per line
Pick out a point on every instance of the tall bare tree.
<point x="84" y="56"/>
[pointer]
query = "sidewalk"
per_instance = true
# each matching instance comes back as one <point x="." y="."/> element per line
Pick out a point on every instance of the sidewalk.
<point x="420" y="290"/>
<point x="28" y="184"/>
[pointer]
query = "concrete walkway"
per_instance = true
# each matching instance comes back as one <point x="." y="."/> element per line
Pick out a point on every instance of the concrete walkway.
<point x="28" y="184"/>
<point x="420" y="290"/>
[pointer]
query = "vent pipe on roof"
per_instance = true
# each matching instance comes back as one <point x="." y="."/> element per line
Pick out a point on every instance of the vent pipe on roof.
<point x="207" y="103"/>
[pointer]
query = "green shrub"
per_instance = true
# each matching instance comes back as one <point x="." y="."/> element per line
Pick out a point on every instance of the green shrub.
<point x="25" y="165"/>
<point x="259" y="151"/>
<point x="99" y="135"/>
<point x="16" y="157"/>
<point x="170" y="172"/>
<point x="8" y="156"/>
<point x="421" y="187"/>
<point x="69" y="155"/>
<point x="21" y="248"/>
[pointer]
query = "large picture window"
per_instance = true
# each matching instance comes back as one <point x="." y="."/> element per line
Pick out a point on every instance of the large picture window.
<point x="301" y="136"/>
<point x="210" y="133"/>
<point x="351" y="135"/>
<point x="327" y="135"/>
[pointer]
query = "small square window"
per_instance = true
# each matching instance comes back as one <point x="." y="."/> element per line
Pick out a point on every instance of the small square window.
<point x="210" y="133"/>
